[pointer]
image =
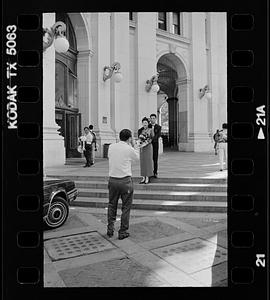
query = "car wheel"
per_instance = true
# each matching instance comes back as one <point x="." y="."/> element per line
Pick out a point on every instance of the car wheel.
<point x="58" y="213"/>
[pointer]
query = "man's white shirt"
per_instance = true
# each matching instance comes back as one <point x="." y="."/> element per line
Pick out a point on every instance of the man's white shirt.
<point x="120" y="157"/>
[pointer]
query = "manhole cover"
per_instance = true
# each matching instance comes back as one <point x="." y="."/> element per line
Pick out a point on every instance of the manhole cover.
<point x="76" y="245"/>
<point x="192" y="255"/>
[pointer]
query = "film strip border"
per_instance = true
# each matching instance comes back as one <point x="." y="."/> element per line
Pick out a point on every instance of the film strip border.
<point x="22" y="155"/>
<point x="247" y="144"/>
<point x="22" y="152"/>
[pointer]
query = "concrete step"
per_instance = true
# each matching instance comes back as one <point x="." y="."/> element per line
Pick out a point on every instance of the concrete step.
<point x="202" y="187"/>
<point x="160" y="195"/>
<point x="157" y="205"/>
<point x="193" y="180"/>
<point x="81" y="161"/>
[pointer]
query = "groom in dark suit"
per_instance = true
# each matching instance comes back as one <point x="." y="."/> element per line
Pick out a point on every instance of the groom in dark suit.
<point x="155" y="141"/>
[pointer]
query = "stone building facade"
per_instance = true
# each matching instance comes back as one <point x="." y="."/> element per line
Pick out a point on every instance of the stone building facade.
<point x="189" y="52"/>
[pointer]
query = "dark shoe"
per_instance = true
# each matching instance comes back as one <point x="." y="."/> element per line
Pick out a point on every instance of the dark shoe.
<point x="109" y="233"/>
<point x="85" y="166"/>
<point x="221" y="170"/>
<point x="155" y="176"/>
<point x="123" y="235"/>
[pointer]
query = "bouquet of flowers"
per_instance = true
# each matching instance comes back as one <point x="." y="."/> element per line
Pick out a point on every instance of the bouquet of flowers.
<point x="144" y="140"/>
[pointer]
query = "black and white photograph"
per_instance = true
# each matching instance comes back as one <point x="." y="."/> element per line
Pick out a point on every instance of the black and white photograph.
<point x="135" y="149"/>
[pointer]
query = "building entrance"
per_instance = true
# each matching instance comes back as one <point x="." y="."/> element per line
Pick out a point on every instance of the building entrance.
<point x="172" y="115"/>
<point x="70" y="128"/>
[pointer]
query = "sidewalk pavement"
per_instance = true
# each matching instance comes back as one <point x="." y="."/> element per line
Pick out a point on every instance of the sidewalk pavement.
<point x="165" y="249"/>
<point x="171" y="165"/>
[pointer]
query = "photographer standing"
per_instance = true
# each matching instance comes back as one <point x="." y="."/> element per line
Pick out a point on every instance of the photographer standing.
<point x="120" y="183"/>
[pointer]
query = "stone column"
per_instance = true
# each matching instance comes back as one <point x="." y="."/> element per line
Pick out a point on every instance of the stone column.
<point x="199" y="136"/>
<point x="184" y="120"/>
<point x="53" y="143"/>
<point x="145" y="40"/>
<point x="120" y="100"/>
<point x="100" y="90"/>
<point x="84" y="88"/>
<point x="218" y="67"/>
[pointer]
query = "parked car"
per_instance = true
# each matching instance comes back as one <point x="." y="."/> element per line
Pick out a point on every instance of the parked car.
<point x="58" y="194"/>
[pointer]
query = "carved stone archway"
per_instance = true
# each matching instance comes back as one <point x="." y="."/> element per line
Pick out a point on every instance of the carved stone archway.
<point x="172" y="81"/>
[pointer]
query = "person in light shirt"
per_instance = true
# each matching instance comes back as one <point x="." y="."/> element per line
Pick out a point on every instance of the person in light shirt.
<point x="121" y="155"/>
<point x="86" y="140"/>
<point x="222" y="147"/>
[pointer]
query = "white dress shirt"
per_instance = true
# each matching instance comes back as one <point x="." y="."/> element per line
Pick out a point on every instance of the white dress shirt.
<point x="89" y="138"/>
<point x="120" y="157"/>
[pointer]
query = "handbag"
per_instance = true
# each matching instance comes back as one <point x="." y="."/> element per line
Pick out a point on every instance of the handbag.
<point x="80" y="149"/>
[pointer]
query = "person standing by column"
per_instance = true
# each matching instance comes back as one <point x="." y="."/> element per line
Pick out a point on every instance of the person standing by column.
<point x="222" y="147"/>
<point x="94" y="144"/>
<point x="215" y="138"/>
<point x="155" y="141"/>
<point x="120" y="183"/>
<point x="86" y="139"/>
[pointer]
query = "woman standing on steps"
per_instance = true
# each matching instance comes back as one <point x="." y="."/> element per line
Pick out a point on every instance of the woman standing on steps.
<point x="146" y="135"/>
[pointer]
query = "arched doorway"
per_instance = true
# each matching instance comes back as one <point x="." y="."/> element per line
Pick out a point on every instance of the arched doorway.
<point x="172" y="75"/>
<point x="67" y="114"/>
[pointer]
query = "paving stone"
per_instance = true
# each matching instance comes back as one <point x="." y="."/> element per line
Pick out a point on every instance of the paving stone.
<point x="73" y="221"/>
<point x="103" y="217"/>
<point x="151" y="230"/>
<point x="213" y="276"/>
<point x="223" y="283"/>
<point x="202" y="222"/>
<point x="223" y="234"/>
<point x="193" y="255"/>
<point x="114" y="273"/>
<point x="76" y="245"/>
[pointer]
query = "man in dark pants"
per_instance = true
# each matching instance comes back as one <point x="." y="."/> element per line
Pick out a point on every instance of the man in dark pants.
<point x="155" y="141"/>
<point x="94" y="144"/>
<point x="120" y="184"/>
<point x="86" y="140"/>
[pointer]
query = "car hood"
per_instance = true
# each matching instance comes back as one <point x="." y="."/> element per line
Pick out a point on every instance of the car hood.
<point x="51" y="180"/>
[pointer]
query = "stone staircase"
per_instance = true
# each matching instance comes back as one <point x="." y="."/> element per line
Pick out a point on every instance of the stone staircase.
<point x="162" y="194"/>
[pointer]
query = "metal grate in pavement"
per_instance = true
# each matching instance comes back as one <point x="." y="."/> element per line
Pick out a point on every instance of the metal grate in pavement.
<point x="76" y="245"/>
<point x="192" y="255"/>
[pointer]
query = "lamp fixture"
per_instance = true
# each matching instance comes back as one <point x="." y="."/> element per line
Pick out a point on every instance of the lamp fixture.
<point x="205" y="91"/>
<point x="114" y="68"/>
<point x="56" y="34"/>
<point x="152" y="84"/>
